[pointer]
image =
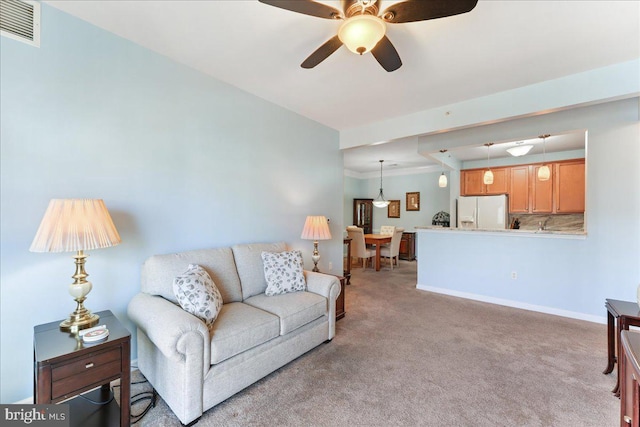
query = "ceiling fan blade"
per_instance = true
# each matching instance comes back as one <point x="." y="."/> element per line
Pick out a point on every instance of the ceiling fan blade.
<point x="387" y="55"/>
<point x="422" y="10"/>
<point x="322" y="52"/>
<point x="306" y="7"/>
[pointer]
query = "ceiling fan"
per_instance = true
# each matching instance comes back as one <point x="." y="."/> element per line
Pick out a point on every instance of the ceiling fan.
<point x="363" y="29"/>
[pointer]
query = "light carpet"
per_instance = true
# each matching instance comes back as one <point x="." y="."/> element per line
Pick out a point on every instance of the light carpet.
<point x="405" y="357"/>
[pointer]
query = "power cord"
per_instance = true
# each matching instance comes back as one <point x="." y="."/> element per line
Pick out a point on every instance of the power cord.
<point x="151" y="396"/>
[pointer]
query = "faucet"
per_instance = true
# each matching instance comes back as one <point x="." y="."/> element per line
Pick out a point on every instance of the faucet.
<point x="542" y="225"/>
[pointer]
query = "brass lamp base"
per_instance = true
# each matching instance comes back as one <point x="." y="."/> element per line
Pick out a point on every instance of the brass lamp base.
<point x="81" y="318"/>
<point x="78" y="321"/>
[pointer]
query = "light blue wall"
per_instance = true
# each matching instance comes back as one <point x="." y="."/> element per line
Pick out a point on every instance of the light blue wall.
<point x="561" y="275"/>
<point x="183" y="161"/>
<point x="432" y="199"/>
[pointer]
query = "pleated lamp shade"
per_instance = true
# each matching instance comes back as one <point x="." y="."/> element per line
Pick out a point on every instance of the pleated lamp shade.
<point x="71" y="225"/>
<point x="316" y="228"/>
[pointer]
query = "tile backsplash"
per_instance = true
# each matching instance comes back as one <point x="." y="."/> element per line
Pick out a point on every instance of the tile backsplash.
<point x="564" y="222"/>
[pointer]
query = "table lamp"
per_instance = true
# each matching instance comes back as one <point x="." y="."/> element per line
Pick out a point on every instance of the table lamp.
<point x="316" y="228"/>
<point x="76" y="225"/>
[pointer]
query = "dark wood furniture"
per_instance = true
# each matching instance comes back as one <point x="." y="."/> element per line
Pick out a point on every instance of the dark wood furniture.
<point x="340" y="312"/>
<point x="408" y="246"/>
<point x="378" y="240"/>
<point x="65" y="367"/>
<point x="630" y="374"/>
<point x="620" y="315"/>
<point x="363" y="214"/>
<point x="346" y="271"/>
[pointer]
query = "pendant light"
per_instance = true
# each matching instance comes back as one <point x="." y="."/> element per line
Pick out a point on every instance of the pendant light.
<point x="442" y="181"/>
<point x="380" y="201"/>
<point x="488" y="175"/>
<point x="544" y="173"/>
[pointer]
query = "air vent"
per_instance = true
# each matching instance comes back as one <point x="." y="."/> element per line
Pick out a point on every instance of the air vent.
<point x="20" y="20"/>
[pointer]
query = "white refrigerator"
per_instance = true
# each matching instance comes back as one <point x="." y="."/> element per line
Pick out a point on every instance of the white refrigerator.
<point x="483" y="212"/>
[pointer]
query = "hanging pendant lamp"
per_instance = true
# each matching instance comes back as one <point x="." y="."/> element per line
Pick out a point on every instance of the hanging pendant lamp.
<point x="380" y="201"/>
<point x="488" y="175"/>
<point x="544" y="173"/>
<point x="442" y="181"/>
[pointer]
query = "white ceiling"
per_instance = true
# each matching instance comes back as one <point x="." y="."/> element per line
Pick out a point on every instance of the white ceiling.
<point x="498" y="46"/>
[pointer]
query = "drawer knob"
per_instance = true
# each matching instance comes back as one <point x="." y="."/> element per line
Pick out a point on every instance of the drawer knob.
<point x="89" y="365"/>
<point x="627" y="419"/>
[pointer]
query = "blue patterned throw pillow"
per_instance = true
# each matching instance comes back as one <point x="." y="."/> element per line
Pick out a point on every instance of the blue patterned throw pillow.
<point x="197" y="294"/>
<point x="283" y="272"/>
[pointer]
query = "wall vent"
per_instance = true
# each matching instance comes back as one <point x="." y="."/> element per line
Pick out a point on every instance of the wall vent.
<point x="20" y="20"/>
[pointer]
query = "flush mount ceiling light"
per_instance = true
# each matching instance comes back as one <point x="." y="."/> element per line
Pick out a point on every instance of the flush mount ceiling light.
<point x="519" y="149"/>
<point x="364" y="29"/>
<point x="488" y="175"/>
<point x="380" y="201"/>
<point x="442" y="181"/>
<point x="544" y="173"/>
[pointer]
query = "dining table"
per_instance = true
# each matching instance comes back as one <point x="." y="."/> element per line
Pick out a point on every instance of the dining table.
<point x="378" y="240"/>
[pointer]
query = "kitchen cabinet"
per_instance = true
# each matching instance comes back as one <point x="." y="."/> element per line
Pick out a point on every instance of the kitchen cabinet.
<point x="472" y="182"/>
<point x="363" y="214"/>
<point x="563" y="192"/>
<point x="519" y="189"/>
<point x="541" y="191"/>
<point x="569" y="187"/>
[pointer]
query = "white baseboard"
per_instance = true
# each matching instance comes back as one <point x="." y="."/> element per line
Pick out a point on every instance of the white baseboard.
<point x="515" y="304"/>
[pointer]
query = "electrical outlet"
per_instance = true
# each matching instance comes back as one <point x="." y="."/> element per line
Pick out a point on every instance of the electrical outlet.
<point x="514" y="275"/>
<point x="330" y="266"/>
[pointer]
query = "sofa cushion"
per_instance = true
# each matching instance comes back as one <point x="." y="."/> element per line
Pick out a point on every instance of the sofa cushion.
<point x="197" y="294"/>
<point x="248" y="259"/>
<point x="159" y="271"/>
<point x="283" y="272"/>
<point x="294" y="309"/>
<point x="240" y="327"/>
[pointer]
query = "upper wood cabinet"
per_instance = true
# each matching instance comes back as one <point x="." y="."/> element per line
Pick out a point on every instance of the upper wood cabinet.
<point x="569" y="187"/>
<point x="519" y="189"/>
<point x="563" y="192"/>
<point x="541" y="191"/>
<point x="472" y="182"/>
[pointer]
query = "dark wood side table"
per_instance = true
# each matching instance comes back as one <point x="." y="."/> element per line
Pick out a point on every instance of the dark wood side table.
<point x="65" y="367"/>
<point x="347" y="267"/>
<point x="620" y="315"/>
<point x="629" y="368"/>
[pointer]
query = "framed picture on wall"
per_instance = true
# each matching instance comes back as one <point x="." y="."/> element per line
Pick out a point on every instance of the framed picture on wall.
<point x="413" y="201"/>
<point x="393" y="210"/>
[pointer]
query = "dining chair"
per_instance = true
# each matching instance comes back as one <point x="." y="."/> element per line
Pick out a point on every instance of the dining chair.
<point x="393" y="249"/>
<point x="358" y="247"/>
<point x="387" y="229"/>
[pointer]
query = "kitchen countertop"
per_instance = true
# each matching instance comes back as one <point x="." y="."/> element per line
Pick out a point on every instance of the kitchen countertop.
<point x="565" y="234"/>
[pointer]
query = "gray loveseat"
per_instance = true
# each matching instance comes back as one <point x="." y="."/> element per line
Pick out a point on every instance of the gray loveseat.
<point x="254" y="334"/>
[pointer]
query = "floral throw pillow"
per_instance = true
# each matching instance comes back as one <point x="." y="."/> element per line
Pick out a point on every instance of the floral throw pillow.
<point x="283" y="272"/>
<point x="197" y="294"/>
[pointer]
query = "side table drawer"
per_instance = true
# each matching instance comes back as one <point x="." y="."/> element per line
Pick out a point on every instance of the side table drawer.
<point x="95" y="368"/>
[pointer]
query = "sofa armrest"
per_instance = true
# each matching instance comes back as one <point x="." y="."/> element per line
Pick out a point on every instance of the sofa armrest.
<point x="326" y="285"/>
<point x="177" y="334"/>
<point x="329" y="287"/>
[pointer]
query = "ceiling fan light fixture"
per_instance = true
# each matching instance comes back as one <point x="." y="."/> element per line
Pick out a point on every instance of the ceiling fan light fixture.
<point x="361" y="33"/>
